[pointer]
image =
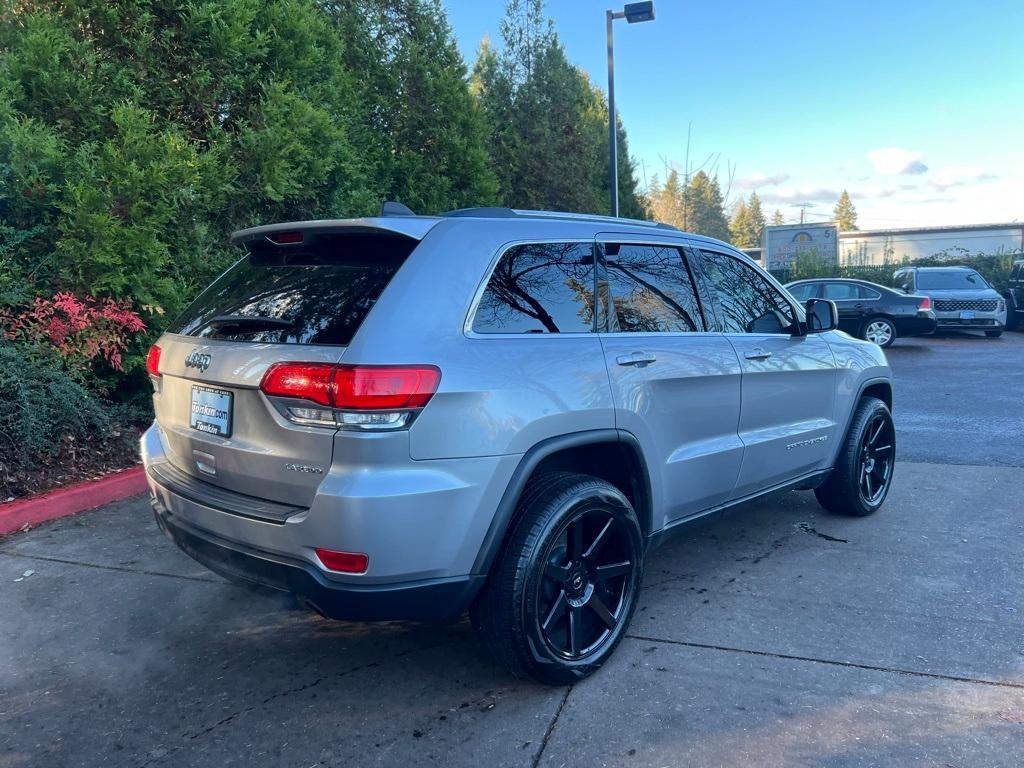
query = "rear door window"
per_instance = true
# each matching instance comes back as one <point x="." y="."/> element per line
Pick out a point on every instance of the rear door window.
<point x="651" y="290"/>
<point x="539" y="288"/>
<point x="315" y="293"/>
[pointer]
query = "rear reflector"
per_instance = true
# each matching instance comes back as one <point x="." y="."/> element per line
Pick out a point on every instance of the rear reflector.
<point x="345" y="562"/>
<point x="926" y="303"/>
<point x="354" y="387"/>
<point x="285" y="238"/>
<point x="153" y="361"/>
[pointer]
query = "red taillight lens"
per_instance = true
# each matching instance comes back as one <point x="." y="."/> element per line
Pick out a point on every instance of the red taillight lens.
<point x="384" y="388"/>
<point x="306" y="381"/>
<point x="926" y="303"/>
<point x="346" y="562"/>
<point x="354" y="387"/>
<point x="153" y="361"/>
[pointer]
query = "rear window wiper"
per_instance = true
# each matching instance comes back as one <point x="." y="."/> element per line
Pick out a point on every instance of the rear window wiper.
<point x="248" y="322"/>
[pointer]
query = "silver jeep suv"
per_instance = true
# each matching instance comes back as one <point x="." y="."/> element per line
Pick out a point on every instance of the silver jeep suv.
<point x="405" y="417"/>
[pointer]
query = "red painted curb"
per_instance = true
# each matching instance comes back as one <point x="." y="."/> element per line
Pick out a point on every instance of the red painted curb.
<point x="71" y="500"/>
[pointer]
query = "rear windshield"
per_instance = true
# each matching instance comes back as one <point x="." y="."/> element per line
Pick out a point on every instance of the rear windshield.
<point x="315" y="293"/>
<point x="951" y="280"/>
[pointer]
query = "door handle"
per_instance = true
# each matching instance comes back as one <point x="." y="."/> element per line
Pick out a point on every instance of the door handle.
<point x="636" y="358"/>
<point x="757" y="354"/>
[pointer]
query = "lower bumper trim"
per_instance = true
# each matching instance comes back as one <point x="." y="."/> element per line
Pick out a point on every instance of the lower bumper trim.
<point x="428" y="600"/>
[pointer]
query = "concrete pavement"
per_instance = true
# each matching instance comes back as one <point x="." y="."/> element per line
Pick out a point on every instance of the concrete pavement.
<point x="774" y="635"/>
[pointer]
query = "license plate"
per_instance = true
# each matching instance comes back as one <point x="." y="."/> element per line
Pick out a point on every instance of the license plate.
<point x="967" y="314"/>
<point x="211" y="411"/>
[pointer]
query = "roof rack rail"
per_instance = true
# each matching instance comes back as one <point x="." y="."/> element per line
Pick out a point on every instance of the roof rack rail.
<point x="509" y="213"/>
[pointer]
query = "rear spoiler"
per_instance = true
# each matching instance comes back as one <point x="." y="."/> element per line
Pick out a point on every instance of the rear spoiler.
<point x="292" y="232"/>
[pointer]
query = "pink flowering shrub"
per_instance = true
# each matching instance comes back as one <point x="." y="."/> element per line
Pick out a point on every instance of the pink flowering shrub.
<point x="82" y="330"/>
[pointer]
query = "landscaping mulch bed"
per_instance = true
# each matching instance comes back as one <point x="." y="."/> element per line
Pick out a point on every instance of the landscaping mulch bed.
<point x="77" y="460"/>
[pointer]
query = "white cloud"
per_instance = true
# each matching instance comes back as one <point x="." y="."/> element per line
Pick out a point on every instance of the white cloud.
<point x="785" y="195"/>
<point x="757" y="180"/>
<point x="893" y="160"/>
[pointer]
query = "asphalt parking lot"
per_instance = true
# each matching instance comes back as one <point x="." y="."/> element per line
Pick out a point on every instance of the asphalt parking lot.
<point x="775" y="635"/>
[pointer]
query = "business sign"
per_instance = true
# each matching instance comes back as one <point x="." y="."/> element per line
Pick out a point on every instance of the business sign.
<point x="785" y="244"/>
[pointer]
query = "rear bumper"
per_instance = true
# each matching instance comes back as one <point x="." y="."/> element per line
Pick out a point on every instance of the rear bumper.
<point x="432" y="599"/>
<point x="918" y="325"/>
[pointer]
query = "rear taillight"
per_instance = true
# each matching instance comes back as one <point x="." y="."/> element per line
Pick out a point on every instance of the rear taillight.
<point x="153" y="361"/>
<point x="352" y="396"/>
<point x="384" y="388"/>
<point x="926" y="303"/>
<point x="304" y="381"/>
<point x="345" y="562"/>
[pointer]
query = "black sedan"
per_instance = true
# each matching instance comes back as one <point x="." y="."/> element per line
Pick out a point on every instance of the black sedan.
<point x="870" y="311"/>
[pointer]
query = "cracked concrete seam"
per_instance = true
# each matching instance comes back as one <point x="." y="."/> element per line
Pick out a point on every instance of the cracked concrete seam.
<point x="833" y="662"/>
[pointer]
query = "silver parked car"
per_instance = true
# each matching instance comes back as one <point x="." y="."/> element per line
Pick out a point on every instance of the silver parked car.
<point x="961" y="298"/>
<point x="495" y="410"/>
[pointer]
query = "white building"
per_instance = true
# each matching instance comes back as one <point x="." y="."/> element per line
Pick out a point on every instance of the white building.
<point x="880" y="246"/>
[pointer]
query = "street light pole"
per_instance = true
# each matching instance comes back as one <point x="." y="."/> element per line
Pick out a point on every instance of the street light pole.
<point x="613" y="139"/>
<point x="632" y="13"/>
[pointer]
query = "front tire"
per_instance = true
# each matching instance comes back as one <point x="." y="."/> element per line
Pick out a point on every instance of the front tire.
<point x="563" y="590"/>
<point x="861" y="479"/>
<point x="879" y="330"/>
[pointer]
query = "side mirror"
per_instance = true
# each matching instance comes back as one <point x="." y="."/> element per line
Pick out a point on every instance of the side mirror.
<point x="822" y="315"/>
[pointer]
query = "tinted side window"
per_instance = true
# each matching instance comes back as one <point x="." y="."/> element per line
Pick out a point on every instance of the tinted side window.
<point x="842" y="291"/>
<point x="803" y="292"/>
<point x="540" y="288"/>
<point x="651" y="289"/>
<point x="747" y="303"/>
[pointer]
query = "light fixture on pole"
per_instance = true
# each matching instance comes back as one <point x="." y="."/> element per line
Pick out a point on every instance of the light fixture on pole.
<point x="633" y="13"/>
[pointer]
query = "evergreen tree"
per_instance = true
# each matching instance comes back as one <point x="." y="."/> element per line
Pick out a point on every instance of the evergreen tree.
<point x="547" y="123"/>
<point x="135" y="136"/>
<point x="747" y="224"/>
<point x="844" y="214"/>
<point x="756" y="217"/>
<point x="740" y="227"/>
<point x="777" y="219"/>
<point x="703" y="205"/>
<point x="665" y="202"/>
<point x="430" y="127"/>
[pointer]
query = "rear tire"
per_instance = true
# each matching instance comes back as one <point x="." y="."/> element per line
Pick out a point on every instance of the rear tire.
<point x="993" y="334"/>
<point x="563" y="590"/>
<point x="880" y="331"/>
<point x="861" y="479"/>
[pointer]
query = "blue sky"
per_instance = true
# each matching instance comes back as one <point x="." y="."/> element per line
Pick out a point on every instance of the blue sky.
<point x="916" y="107"/>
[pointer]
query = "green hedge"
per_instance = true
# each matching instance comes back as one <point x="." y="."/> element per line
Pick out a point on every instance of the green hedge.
<point x="994" y="268"/>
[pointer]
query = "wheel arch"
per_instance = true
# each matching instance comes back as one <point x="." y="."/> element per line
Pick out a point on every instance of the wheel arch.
<point x="874" y="387"/>
<point x="610" y="454"/>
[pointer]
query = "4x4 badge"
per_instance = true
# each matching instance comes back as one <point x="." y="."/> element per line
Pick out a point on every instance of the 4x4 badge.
<point x="197" y="360"/>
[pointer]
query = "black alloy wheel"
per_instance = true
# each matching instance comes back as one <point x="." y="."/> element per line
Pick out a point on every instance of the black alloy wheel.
<point x="587" y="583"/>
<point x="561" y="594"/>
<point x="876" y="458"/>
